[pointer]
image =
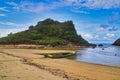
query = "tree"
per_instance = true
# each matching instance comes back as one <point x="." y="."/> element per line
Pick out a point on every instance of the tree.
<point x="31" y="27"/>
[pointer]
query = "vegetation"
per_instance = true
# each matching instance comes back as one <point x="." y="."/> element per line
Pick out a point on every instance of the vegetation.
<point x="47" y="32"/>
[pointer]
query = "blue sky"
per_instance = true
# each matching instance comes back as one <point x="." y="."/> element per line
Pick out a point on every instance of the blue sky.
<point x="98" y="21"/>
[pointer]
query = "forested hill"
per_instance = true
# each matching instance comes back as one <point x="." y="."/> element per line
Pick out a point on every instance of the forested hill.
<point x="47" y="32"/>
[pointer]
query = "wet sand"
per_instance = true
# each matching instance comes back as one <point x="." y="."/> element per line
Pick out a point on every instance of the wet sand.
<point x="25" y="64"/>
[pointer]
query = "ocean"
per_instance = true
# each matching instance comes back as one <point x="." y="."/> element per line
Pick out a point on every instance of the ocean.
<point x="106" y="55"/>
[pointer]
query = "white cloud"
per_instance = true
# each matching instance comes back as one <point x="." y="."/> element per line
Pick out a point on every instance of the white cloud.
<point x="8" y="27"/>
<point x="32" y="7"/>
<point x="72" y="0"/>
<point x="28" y="6"/>
<point x="105" y="4"/>
<point x="11" y="24"/>
<point x="110" y="35"/>
<point x="5" y="32"/>
<point x="96" y="36"/>
<point x="95" y="4"/>
<point x="14" y="5"/>
<point x="2" y="15"/>
<point x="100" y="29"/>
<point x="88" y="36"/>
<point x="4" y="9"/>
<point x="79" y="11"/>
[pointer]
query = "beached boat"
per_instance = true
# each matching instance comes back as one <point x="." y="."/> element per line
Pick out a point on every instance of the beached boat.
<point x="62" y="55"/>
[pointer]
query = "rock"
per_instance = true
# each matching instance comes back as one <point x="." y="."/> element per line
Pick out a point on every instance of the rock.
<point x="100" y="45"/>
<point x="117" y="42"/>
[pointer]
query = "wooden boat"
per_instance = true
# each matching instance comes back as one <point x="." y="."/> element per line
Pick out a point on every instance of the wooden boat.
<point x="62" y="55"/>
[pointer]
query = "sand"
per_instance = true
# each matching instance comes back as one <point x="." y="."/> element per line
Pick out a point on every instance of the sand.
<point x="25" y="64"/>
<point x="12" y="68"/>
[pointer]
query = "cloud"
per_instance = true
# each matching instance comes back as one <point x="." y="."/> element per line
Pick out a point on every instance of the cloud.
<point x="107" y="27"/>
<point x="72" y="0"/>
<point x="96" y="36"/>
<point x="4" y="9"/>
<point x="96" y="32"/>
<point x="104" y="26"/>
<point x="100" y="30"/>
<point x="113" y="29"/>
<point x="110" y="26"/>
<point x="5" y="32"/>
<point x="8" y="27"/>
<point x="77" y="10"/>
<point x="80" y="11"/>
<point x="2" y="15"/>
<point x="103" y="4"/>
<point x="96" y="4"/>
<point x="31" y="6"/>
<point x="14" y="5"/>
<point x="28" y="6"/>
<point x="114" y="18"/>
<point x="88" y="36"/>
<point x="110" y="35"/>
<point x="11" y="24"/>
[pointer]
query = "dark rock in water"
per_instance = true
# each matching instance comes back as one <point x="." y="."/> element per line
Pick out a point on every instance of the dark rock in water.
<point x="117" y="42"/>
<point x="100" y="45"/>
<point x="102" y="48"/>
<point x="92" y="45"/>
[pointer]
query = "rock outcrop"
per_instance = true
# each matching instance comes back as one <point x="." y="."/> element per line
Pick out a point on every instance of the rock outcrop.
<point x="117" y="42"/>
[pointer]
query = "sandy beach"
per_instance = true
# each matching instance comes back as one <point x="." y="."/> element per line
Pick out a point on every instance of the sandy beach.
<point x="25" y="64"/>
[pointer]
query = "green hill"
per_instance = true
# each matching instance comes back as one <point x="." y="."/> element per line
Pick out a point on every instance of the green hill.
<point x="47" y="32"/>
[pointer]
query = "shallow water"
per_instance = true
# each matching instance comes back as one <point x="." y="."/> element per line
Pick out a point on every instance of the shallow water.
<point x="107" y="55"/>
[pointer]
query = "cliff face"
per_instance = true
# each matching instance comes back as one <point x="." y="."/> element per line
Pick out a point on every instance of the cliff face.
<point x="117" y="42"/>
<point x="47" y="32"/>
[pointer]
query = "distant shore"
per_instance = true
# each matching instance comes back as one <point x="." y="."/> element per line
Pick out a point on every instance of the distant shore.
<point x="19" y="63"/>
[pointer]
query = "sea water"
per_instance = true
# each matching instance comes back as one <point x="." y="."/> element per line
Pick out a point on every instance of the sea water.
<point x="106" y="55"/>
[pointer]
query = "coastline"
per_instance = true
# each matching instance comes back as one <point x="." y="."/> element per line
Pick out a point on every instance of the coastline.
<point x="62" y="68"/>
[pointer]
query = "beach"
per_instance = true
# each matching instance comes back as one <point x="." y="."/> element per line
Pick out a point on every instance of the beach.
<point x="26" y="64"/>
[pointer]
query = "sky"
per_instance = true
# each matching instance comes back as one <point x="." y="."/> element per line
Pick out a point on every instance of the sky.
<point x="97" y="21"/>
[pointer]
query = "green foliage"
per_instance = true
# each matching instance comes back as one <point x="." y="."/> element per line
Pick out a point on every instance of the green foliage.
<point x="47" y="32"/>
<point x="51" y="41"/>
<point x="31" y="27"/>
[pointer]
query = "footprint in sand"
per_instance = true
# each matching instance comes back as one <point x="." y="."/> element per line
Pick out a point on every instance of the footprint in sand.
<point x="4" y="76"/>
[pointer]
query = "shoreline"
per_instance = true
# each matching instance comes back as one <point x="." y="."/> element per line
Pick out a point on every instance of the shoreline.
<point x="99" y="64"/>
<point x="42" y="47"/>
<point x="62" y="68"/>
